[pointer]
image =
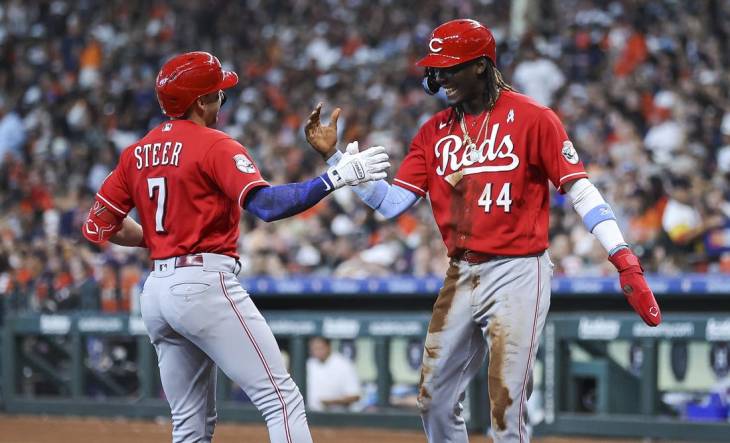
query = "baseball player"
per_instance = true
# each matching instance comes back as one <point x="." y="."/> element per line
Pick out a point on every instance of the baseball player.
<point x="189" y="182"/>
<point x="485" y="163"/>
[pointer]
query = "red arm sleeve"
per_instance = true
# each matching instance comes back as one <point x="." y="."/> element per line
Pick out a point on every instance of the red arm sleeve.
<point x="101" y="224"/>
<point x="230" y="166"/>
<point x="412" y="173"/>
<point x="556" y="152"/>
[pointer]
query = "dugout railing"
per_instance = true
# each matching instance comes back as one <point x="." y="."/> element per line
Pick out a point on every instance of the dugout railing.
<point x="53" y="347"/>
<point x="56" y="350"/>
<point x="626" y="404"/>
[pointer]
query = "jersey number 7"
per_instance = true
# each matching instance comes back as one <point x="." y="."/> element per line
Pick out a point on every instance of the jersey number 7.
<point x="160" y="185"/>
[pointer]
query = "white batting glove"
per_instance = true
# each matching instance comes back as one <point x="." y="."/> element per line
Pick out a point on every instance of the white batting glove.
<point x="359" y="167"/>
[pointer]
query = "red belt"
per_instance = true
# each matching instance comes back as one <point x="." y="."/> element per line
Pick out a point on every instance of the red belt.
<point x="475" y="257"/>
<point x="189" y="260"/>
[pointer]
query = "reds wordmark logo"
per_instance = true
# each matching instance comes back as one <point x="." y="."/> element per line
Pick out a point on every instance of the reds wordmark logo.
<point x="489" y="156"/>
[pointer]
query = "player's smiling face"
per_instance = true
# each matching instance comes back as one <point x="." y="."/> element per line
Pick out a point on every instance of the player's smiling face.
<point x="462" y="83"/>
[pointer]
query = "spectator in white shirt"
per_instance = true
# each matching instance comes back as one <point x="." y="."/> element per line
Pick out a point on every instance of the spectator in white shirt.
<point x="681" y="220"/>
<point x="666" y="137"/>
<point x="538" y="77"/>
<point x="12" y="132"/>
<point x="332" y="381"/>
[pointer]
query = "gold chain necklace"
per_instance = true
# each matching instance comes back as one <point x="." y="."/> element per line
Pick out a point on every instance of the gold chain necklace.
<point x="471" y="147"/>
<point x="471" y="153"/>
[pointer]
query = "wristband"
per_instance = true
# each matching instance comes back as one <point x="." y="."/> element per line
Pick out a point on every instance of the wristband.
<point x="617" y="248"/>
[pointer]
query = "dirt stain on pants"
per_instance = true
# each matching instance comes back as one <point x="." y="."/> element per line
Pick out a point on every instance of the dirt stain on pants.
<point x="445" y="299"/>
<point x="438" y="320"/>
<point x="498" y="392"/>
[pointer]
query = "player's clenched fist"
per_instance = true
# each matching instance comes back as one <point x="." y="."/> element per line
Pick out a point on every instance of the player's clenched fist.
<point x="634" y="286"/>
<point x="357" y="167"/>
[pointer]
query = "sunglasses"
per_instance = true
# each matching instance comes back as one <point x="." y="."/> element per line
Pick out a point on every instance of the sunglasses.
<point x="450" y="71"/>
<point x="222" y="96"/>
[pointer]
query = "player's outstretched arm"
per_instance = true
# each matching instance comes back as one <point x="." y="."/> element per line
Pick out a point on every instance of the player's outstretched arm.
<point x="277" y="202"/>
<point x="389" y="200"/>
<point x="599" y="219"/>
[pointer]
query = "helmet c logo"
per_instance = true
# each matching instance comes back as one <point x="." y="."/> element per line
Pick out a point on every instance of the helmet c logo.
<point x="432" y="45"/>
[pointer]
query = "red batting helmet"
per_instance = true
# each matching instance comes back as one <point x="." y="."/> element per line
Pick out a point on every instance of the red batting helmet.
<point x="188" y="76"/>
<point x="459" y="41"/>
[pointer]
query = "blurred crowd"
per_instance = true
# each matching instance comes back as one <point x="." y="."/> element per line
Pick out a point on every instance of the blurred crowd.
<point x="642" y="88"/>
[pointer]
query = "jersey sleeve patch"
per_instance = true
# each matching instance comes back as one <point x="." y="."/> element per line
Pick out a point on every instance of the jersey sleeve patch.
<point x="243" y="164"/>
<point x="569" y="153"/>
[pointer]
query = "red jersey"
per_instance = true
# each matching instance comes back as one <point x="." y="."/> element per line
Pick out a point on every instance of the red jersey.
<point x="188" y="183"/>
<point x="493" y="198"/>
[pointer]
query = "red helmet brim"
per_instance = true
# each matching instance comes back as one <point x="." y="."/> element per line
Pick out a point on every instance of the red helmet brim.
<point x="439" y="61"/>
<point x="230" y="79"/>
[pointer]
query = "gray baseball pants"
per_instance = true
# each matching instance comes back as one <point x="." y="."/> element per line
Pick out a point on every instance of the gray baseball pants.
<point x="497" y="307"/>
<point x="199" y="316"/>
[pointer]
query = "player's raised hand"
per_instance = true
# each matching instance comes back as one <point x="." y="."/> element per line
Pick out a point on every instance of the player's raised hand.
<point x="634" y="286"/>
<point x="322" y="138"/>
<point x="357" y="167"/>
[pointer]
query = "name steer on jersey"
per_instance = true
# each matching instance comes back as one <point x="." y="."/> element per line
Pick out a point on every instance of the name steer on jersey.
<point x="485" y="163"/>
<point x="157" y="154"/>
<point x="189" y="183"/>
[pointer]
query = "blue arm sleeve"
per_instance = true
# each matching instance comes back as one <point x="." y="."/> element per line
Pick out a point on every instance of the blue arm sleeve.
<point x="396" y="201"/>
<point x="276" y="202"/>
<point x="390" y="201"/>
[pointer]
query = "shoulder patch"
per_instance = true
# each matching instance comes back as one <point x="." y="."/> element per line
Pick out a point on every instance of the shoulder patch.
<point x="569" y="153"/>
<point x="243" y="164"/>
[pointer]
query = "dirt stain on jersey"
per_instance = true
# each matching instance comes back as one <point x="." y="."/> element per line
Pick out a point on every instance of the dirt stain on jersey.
<point x="459" y="225"/>
<point x="498" y="392"/>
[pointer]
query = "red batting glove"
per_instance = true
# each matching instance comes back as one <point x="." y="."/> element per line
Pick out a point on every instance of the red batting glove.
<point x="636" y="290"/>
